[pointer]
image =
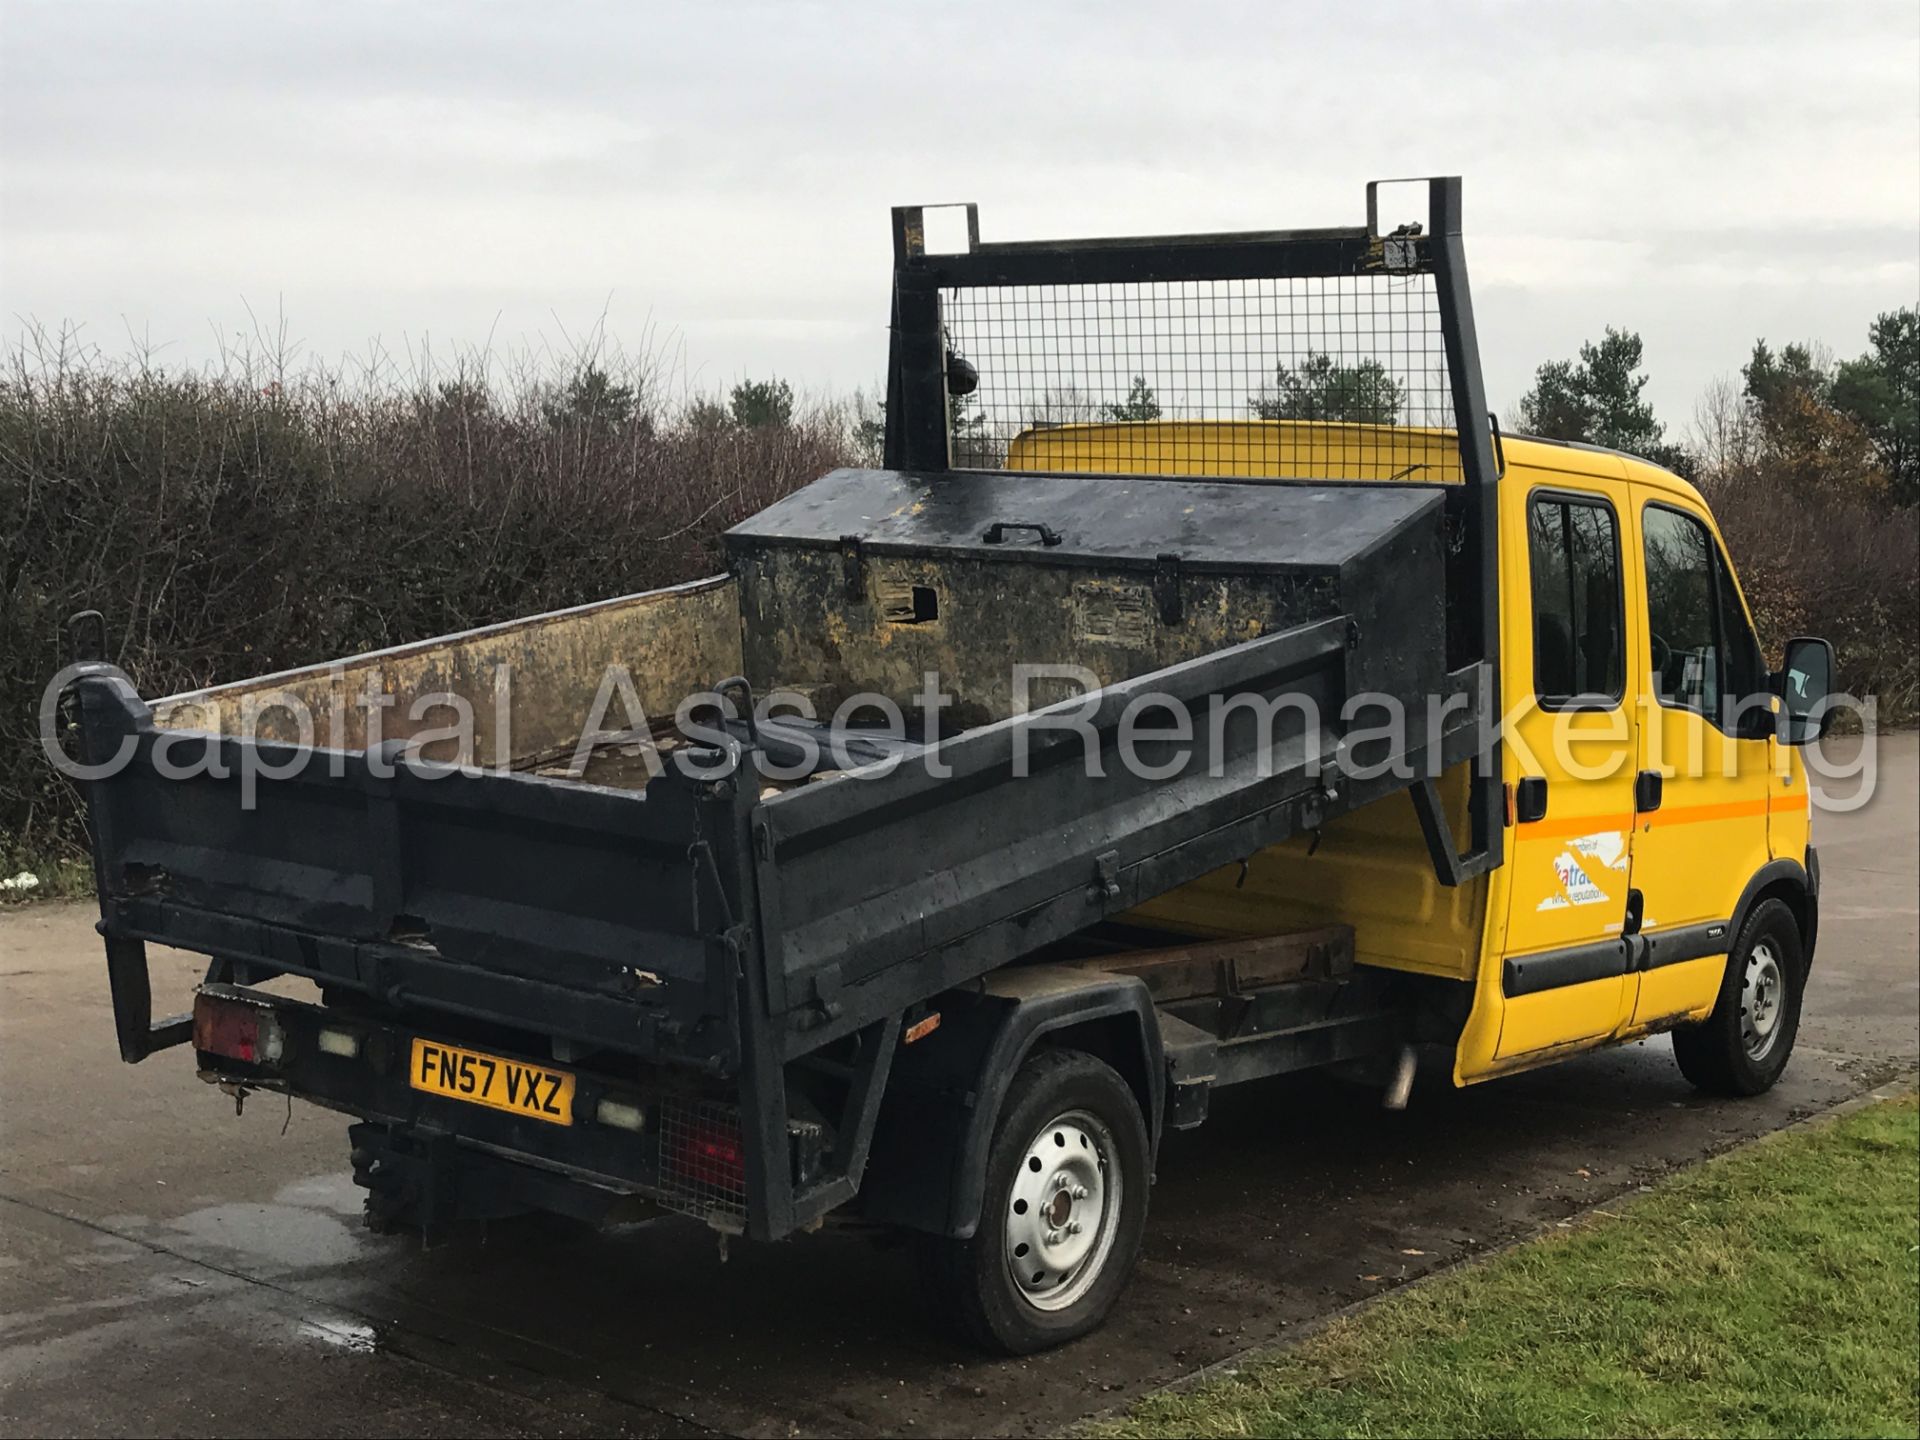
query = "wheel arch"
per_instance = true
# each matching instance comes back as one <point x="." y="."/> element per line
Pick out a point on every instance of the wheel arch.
<point x="1797" y="886"/>
<point x="927" y="1167"/>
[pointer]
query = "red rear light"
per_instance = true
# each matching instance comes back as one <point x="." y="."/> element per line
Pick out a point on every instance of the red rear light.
<point x="709" y="1154"/>
<point x="237" y="1030"/>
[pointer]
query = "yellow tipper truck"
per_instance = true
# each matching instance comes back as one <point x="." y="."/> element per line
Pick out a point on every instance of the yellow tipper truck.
<point x="1202" y="690"/>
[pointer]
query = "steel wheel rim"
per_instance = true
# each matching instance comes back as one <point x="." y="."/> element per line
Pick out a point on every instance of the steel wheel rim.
<point x="1063" y="1210"/>
<point x="1763" y="1001"/>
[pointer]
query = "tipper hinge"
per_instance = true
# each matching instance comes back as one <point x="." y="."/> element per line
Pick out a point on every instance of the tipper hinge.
<point x="827" y="985"/>
<point x="1167" y="589"/>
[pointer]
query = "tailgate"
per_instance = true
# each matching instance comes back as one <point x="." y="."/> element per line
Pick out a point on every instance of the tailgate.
<point x="596" y="914"/>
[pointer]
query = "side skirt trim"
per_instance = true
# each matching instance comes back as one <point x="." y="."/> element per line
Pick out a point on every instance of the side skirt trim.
<point x="1604" y="959"/>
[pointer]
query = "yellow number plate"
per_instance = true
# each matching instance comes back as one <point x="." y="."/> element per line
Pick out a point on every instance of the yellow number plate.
<point x="483" y="1079"/>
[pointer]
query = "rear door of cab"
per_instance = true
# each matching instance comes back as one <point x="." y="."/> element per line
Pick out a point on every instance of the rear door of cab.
<point x="1569" y="630"/>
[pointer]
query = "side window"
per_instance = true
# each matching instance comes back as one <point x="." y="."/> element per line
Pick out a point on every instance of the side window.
<point x="1578" y="655"/>
<point x="1703" y="650"/>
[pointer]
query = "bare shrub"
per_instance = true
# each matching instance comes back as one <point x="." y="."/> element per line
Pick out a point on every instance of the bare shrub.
<point x="1818" y="548"/>
<point x="250" y="517"/>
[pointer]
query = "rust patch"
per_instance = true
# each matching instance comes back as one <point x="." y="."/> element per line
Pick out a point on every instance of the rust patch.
<point x="1107" y="613"/>
<point x="992" y="614"/>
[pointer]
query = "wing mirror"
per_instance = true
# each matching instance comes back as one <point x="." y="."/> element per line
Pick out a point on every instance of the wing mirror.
<point x="1803" y="684"/>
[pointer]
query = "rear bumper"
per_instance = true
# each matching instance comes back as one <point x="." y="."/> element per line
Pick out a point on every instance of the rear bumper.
<point x="372" y="1085"/>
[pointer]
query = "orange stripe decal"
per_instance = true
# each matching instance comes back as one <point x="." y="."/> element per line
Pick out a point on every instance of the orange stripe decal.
<point x="1695" y="814"/>
<point x="1673" y="815"/>
<point x="1575" y="825"/>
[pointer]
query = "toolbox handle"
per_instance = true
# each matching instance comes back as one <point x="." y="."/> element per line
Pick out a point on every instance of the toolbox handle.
<point x="741" y="684"/>
<point x="997" y="531"/>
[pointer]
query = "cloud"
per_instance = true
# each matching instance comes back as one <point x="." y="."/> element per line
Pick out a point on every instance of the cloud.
<point x="1704" y="173"/>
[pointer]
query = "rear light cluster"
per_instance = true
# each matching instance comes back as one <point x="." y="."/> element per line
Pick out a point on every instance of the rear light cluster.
<point x="703" y="1169"/>
<point x="237" y="1030"/>
<point x="710" y="1155"/>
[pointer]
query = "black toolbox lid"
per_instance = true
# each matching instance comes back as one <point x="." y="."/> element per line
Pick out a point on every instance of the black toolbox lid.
<point x="1093" y="519"/>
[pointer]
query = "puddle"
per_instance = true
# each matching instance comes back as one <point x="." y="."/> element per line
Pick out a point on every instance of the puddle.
<point x="287" y="1234"/>
<point x="335" y="1193"/>
<point x="309" y="1223"/>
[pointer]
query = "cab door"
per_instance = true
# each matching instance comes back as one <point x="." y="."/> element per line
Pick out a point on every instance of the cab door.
<point x="1570" y="766"/>
<point x="1705" y="756"/>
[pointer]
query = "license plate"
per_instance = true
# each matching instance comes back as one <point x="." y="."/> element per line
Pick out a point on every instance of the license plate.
<point x="483" y="1079"/>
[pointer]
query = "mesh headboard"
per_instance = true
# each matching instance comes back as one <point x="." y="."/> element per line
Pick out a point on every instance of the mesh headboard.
<point x="1361" y="358"/>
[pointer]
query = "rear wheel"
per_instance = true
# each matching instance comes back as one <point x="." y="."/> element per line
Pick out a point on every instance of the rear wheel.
<point x="1061" y="1220"/>
<point x="1743" y="1046"/>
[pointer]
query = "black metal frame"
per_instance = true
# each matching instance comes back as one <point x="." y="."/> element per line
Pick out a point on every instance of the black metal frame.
<point x="918" y="437"/>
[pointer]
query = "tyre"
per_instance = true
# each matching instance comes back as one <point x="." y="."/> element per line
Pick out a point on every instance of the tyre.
<point x="1062" y="1214"/>
<point x="1743" y="1046"/>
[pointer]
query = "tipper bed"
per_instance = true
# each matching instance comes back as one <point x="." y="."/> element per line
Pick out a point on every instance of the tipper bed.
<point x="681" y="847"/>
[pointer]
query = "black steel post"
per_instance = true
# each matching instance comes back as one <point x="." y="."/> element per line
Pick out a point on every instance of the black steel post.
<point x="917" y="429"/>
<point x="1482" y="477"/>
<point x="726" y="815"/>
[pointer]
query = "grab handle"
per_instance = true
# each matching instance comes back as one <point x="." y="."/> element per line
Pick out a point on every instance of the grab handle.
<point x="739" y="683"/>
<point x="997" y="531"/>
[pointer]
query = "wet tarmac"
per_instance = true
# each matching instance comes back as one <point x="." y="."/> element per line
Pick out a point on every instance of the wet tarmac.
<point x="166" y="1266"/>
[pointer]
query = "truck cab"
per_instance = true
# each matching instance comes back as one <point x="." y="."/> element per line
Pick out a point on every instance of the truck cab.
<point x="1651" y="796"/>
<point x="1627" y="884"/>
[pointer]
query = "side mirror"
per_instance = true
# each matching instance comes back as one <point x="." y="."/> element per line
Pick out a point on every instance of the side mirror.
<point x="1803" y="685"/>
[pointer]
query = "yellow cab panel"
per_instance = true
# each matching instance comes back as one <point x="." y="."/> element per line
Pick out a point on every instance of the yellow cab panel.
<point x="1246" y="449"/>
<point x="1369" y="870"/>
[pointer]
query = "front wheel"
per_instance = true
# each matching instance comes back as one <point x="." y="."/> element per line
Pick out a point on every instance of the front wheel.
<point x="1743" y="1046"/>
<point x="1063" y="1212"/>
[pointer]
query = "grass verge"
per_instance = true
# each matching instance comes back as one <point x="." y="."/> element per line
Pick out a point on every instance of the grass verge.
<point x="1772" y="1291"/>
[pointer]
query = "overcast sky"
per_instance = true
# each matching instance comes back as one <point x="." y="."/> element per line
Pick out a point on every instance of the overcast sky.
<point x="720" y="174"/>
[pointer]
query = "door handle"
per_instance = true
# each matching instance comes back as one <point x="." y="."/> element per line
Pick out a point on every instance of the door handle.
<point x="1530" y="800"/>
<point x="1636" y="912"/>
<point x="1647" y="788"/>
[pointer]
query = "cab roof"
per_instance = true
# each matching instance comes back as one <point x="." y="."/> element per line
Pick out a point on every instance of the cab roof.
<point x="1540" y="453"/>
<point x="1305" y="449"/>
